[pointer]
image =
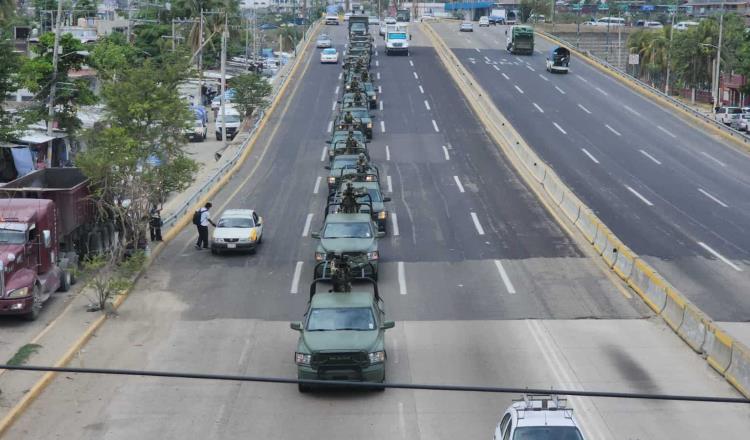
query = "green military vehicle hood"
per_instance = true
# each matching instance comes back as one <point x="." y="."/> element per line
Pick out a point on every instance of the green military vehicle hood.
<point x="341" y="340"/>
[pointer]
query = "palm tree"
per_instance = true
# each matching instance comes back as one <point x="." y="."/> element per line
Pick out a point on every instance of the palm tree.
<point x="7" y="9"/>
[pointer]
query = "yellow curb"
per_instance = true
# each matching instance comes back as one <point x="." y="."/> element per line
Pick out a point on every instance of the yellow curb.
<point x="42" y="383"/>
<point x="625" y="80"/>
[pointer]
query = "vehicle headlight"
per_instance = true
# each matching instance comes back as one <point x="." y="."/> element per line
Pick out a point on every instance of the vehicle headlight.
<point x="370" y="178"/>
<point x="373" y="256"/>
<point x="382" y="215"/>
<point x="320" y="256"/>
<point x="331" y="179"/>
<point x="253" y="235"/>
<point x="377" y="357"/>
<point x="18" y="293"/>
<point x="369" y="125"/>
<point x="304" y="359"/>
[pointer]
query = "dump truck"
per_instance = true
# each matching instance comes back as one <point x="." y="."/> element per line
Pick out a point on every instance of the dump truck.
<point x="520" y="40"/>
<point x="47" y="223"/>
<point x="359" y="25"/>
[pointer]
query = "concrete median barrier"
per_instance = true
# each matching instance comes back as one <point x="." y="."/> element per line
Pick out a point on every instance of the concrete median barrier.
<point x="649" y="285"/>
<point x="554" y="187"/>
<point x="586" y="223"/>
<point x="624" y="262"/>
<point x="611" y="249"/>
<point x="600" y="239"/>
<point x="738" y="373"/>
<point x="570" y="206"/>
<point x="674" y="309"/>
<point x="718" y="348"/>
<point x="693" y="327"/>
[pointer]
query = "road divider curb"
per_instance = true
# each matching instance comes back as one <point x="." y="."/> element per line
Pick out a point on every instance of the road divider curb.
<point x="726" y="355"/>
<point x="40" y="385"/>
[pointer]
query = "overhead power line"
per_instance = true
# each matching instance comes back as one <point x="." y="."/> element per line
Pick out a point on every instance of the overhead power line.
<point x="370" y="385"/>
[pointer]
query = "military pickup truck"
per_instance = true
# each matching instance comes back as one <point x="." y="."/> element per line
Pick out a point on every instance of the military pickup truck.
<point x="352" y="235"/>
<point x="376" y="202"/>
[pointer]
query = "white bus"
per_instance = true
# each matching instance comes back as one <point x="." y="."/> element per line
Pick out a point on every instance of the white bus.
<point x="610" y="21"/>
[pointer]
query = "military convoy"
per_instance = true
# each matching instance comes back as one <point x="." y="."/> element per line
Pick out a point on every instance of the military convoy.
<point x="342" y="336"/>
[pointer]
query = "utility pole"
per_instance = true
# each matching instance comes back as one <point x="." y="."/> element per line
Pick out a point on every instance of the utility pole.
<point x="55" y="60"/>
<point x="669" y="52"/>
<point x="130" y="19"/>
<point x="718" y="56"/>
<point x="224" y="82"/>
<point x="174" y="37"/>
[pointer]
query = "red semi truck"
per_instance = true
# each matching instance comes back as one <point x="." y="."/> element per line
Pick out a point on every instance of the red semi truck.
<point x="47" y="221"/>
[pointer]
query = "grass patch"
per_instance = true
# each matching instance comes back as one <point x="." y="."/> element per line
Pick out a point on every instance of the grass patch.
<point x="23" y="354"/>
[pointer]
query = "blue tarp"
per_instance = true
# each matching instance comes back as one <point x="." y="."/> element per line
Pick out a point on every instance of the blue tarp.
<point x="23" y="160"/>
<point x="647" y="8"/>
<point x="460" y="6"/>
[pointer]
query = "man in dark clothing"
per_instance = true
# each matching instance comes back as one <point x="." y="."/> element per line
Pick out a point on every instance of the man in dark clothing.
<point x="155" y="223"/>
<point x="203" y="227"/>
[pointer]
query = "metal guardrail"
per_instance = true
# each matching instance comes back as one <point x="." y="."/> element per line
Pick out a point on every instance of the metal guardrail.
<point x="730" y="131"/>
<point x="283" y="74"/>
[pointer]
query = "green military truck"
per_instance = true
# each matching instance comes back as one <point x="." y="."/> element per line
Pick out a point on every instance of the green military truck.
<point x="520" y="40"/>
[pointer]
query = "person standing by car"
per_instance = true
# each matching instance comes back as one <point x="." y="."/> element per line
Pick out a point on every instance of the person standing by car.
<point x="202" y="222"/>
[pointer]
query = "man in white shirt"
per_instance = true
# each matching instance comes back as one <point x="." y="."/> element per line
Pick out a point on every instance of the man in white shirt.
<point x="203" y="227"/>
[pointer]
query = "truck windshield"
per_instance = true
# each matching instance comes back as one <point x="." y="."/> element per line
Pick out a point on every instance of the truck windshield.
<point x="397" y="36"/>
<point x="11" y="234"/>
<point x="347" y="230"/>
<point x="547" y="433"/>
<point x="359" y="318"/>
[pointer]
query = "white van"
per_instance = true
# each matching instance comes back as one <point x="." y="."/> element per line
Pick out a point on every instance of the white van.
<point x="684" y="25"/>
<point x="610" y="21"/>
<point x="233" y="121"/>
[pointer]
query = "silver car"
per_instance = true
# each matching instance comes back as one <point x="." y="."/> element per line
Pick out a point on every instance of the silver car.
<point x="324" y="41"/>
<point x="741" y="122"/>
<point x="466" y="27"/>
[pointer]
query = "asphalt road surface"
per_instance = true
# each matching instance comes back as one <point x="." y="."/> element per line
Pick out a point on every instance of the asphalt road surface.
<point x="675" y="194"/>
<point x="483" y="284"/>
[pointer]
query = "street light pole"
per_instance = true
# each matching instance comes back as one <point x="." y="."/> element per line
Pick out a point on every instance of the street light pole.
<point x="718" y="56"/>
<point x="669" y="53"/>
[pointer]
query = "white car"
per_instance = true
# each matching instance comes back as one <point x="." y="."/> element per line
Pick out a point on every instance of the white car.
<point x="685" y="25"/>
<point x="197" y="131"/>
<point x="653" y="25"/>
<point x="466" y="27"/>
<point x="330" y="55"/>
<point x="373" y="20"/>
<point x="347" y="15"/>
<point x="538" y="417"/>
<point x="728" y="114"/>
<point x="484" y="21"/>
<point x="233" y="122"/>
<point x="237" y="230"/>
<point x="332" y="19"/>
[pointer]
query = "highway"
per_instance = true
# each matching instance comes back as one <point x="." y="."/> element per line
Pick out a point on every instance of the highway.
<point x="485" y="288"/>
<point x="675" y="194"/>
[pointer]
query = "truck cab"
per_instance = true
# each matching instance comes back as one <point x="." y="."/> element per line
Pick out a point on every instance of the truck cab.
<point x="397" y="39"/>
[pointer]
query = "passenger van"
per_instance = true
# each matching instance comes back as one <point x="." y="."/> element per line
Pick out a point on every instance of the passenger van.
<point x="610" y="21"/>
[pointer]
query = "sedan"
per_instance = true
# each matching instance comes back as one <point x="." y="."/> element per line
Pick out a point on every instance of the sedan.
<point x="466" y="27"/>
<point x="329" y="55"/>
<point x="324" y="41"/>
<point x="237" y="230"/>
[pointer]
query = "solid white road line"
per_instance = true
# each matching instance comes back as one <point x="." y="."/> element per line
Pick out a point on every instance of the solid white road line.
<point x="415" y="75"/>
<point x="559" y="128"/>
<point x="543" y="77"/>
<point x="560" y="90"/>
<point x="650" y="157"/>
<point x="308" y="222"/>
<point x="295" y="278"/>
<point x="530" y="68"/>
<point x="382" y="126"/>
<point x="477" y="225"/>
<point x="496" y="68"/>
<point x="317" y="185"/>
<point x="519" y="89"/>
<point x="719" y="256"/>
<point x="584" y="108"/>
<point x="323" y="156"/>
<point x="666" y="131"/>
<point x="390" y="183"/>
<point x="330" y="126"/>
<point x="602" y="91"/>
<point x="435" y="126"/>
<point x="637" y="194"/>
<point x="591" y="156"/>
<point x="537" y="107"/>
<point x="445" y="152"/>
<point x="710" y="196"/>
<point x="714" y="159"/>
<point x="631" y="110"/>
<point x="427" y="104"/>
<point x="401" y="278"/>
<point x="504" y="76"/>
<point x="612" y="130"/>
<point x="387" y="153"/>
<point x="381" y="106"/>
<point x="421" y="90"/>
<point x="394" y="224"/>
<point x="504" y="276"/>
<point x="458" y="183"/>
<point x="336" y="92"/>
<point x="411" y="63"/>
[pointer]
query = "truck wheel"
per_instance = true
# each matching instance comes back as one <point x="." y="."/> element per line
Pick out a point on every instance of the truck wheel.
<point x="65" y="281"/>
<point x="36" y="305"/>
<point x="302" y="388"/>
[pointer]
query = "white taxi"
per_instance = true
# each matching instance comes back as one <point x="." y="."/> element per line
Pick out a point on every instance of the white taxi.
<point x="538" y="417"/>
<point x="237" y="230"/>
<point x="329" y="55"/>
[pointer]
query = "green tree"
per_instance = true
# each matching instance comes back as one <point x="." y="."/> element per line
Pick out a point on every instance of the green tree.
<point x="8" y="84"/>
<point x="251" y="92"/>
<point x="84" y="8"/>
<point x="112" y="54"/>
<point x="7" y="10"/>
<point x="37" y="74"/>
<point x="537" y="7"/>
